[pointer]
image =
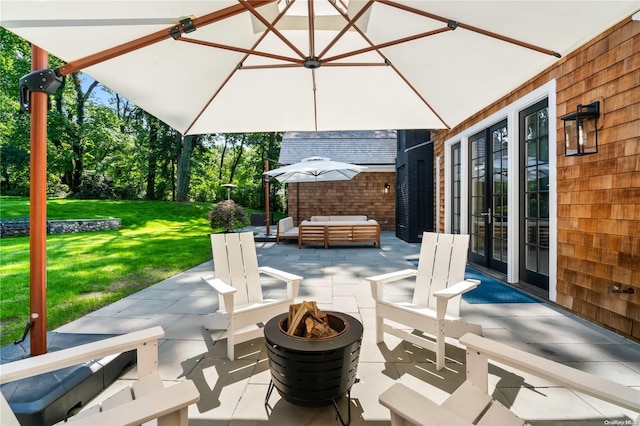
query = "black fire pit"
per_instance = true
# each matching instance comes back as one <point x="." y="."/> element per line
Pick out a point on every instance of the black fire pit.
<point x="314" y="372"/>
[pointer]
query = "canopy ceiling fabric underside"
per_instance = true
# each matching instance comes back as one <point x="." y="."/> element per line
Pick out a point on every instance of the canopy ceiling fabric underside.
<point x="198" y="84"/>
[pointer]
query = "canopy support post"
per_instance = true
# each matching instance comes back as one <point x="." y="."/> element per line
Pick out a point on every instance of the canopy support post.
<point x="266" y="199"/>
<point x="38" y="211"/>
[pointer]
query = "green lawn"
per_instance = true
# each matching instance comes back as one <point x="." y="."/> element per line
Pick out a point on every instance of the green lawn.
<point x="86" y="271"/>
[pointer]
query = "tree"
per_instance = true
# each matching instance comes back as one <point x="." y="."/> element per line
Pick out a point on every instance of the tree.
<point x="109" y="148"/>
<point x="15" y="56"/>
<point x="225" y="214"/>
<point x="184" y="168"/>
<point x="152" y="156"/>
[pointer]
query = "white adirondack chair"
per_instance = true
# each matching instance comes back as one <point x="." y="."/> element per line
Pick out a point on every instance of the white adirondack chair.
<point x="147" y="399"/>
<point x="242" y="308"/>
<point x="439" y="284"/>
<point x="471" y="404"/>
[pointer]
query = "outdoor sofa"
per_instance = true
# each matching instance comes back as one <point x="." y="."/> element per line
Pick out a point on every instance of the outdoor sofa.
<point x="328" y="230"/>
<point x="285" y="229"/>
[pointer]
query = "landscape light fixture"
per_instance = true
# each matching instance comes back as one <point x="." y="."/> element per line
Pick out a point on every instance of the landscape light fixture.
<point x="581" y="130"/>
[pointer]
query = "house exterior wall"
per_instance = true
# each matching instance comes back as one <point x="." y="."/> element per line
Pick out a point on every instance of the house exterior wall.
<point x="363" y="195"/>
<point x="598" y="196"/>
<point x="414" y="167"/>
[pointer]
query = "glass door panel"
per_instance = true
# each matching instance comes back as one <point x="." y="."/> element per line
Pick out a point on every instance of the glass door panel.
<point x="488" y="197"/>
<point x="478" y="202"/>
<point x="534" y="225"/>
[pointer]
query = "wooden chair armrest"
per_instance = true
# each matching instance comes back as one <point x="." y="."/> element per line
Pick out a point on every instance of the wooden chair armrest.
<point x="151" y="406"/>
<point x="281" y="275"/>
<point x="78" y="354"/>
<point x="409" y="405"/>
<point x="457" y="289"/>
<point x="218" y="285"/>
<point x="393" y="276"/>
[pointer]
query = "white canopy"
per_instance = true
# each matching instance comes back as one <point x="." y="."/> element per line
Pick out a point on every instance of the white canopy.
<point x="265" y="66"/>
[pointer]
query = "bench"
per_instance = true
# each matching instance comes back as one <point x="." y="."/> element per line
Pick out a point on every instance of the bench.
<point x="328" y="233"/>
<point x="471" y="404"/>
<point x="286" y="230"/>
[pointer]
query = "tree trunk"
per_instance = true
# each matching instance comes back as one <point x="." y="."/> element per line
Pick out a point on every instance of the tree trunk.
<point x="222" y="156"/>
<point x="184" y="170"/>
<point x="67" y="175"/>
<point x="77" y="143"/>
<point x="238" y="151"/>
<point x="152" y="160"/>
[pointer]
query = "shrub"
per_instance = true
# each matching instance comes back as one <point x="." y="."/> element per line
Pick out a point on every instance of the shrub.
<point x="95" y="186"/>
<point x="225" y="214"/>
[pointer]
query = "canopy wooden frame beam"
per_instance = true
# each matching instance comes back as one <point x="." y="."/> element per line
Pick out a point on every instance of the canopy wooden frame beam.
<point x="155" y="37"/>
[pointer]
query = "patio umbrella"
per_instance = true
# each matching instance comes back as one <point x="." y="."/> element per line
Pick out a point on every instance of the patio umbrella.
<point x="265" y="65"/>
<point x="315" y="169"/>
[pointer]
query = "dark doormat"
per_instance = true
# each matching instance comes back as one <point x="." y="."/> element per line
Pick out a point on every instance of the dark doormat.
<point x="491" y="290"/>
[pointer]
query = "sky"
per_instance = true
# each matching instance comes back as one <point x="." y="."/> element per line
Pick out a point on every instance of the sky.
<point x="98" y="93"/>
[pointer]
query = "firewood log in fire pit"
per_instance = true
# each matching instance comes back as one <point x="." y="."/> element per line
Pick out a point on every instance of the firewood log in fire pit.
<point x="306" y="320"/>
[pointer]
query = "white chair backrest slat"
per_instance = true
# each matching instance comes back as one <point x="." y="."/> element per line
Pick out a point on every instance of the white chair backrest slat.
<point x="219" y="250"/>
<point x="425" y="269"/>
<point x="459" y="253"/>
<point x="220" y="264"/>
<point x="441" y="264"/>
<point x="252" y="274"/>
<point x="237" y="276"/>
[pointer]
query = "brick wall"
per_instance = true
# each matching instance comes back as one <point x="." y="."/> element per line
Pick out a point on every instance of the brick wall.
<point x="598" y="195"/>
<point x="363" y="195"/>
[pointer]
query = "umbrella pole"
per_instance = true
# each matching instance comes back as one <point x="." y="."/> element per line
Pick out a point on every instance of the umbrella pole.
<point x="38" y="211"/>
<point x="266" y="197"/>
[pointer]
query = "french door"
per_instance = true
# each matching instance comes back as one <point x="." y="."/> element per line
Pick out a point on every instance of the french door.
<point x="488" y="197"/>
<point x="534" y="196"/>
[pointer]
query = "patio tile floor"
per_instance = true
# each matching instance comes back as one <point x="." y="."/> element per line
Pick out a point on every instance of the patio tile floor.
<point x="232" y="393"/>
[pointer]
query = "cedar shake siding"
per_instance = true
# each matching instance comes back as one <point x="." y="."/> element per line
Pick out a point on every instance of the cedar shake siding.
<point x="363" y="195"/>
<point x="598" y="196"/>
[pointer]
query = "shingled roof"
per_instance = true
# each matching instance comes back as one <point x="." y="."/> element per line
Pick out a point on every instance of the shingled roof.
<point x="375" y="147"/>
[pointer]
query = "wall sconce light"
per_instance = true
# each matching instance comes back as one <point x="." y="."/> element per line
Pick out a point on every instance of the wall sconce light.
<point x="387" y="187"/>
<point x="617" y="289"/>
<point x="581" y="130"/>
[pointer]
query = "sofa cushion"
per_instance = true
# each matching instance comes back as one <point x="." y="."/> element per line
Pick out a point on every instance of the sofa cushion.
<point x="338" y="218"/>
<point x="347" y="218"/>
<point x="292" y="232"/>
<point x="285" y="224"/>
